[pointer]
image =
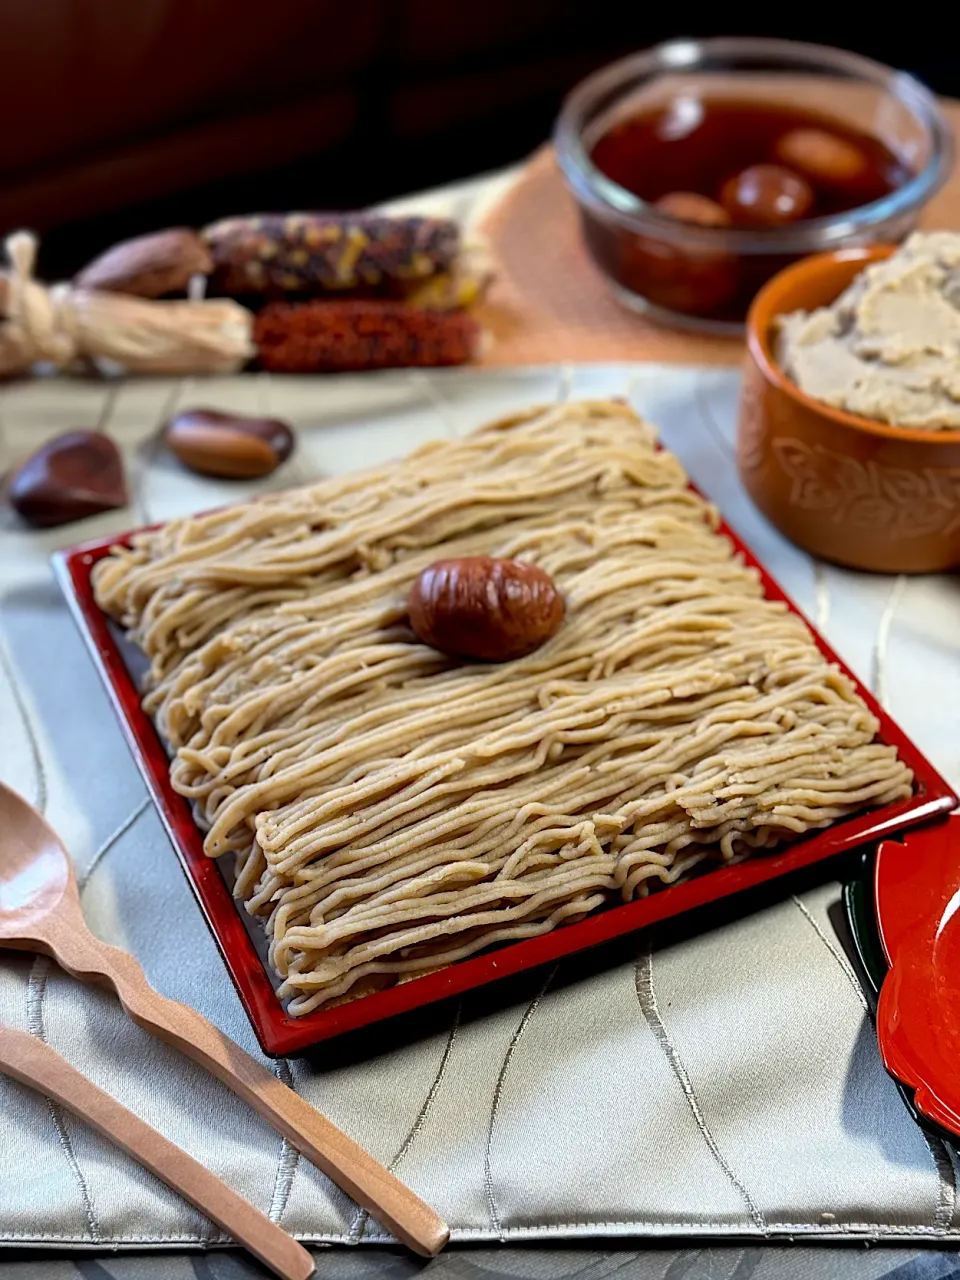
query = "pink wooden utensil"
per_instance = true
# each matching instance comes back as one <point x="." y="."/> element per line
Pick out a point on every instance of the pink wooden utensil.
<point x="40" y="911"/>
<point x="36" y="1065"/>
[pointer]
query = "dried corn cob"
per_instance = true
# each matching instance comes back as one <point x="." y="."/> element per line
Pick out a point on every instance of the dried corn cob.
<point x="463" y="285"/>
<point x="356" y="335"/>
<point x="309" y="253"/>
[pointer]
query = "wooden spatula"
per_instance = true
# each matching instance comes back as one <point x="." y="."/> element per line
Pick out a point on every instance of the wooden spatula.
<point x="36" y="1065"/>
<point x="40" y="911"/>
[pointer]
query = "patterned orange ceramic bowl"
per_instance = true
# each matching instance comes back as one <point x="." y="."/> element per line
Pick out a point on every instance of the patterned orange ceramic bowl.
<point x="843" y="487"/>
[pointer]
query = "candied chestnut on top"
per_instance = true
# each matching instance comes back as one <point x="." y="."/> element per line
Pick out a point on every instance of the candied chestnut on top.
<point x="484" y="608"/>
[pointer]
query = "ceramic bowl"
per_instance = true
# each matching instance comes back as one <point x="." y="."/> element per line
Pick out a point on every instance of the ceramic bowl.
<point x="845" y="488"/>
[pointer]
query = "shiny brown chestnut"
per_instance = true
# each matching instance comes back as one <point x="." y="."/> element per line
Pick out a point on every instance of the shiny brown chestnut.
<point x="228" y="445"/>
<point x="484" y="608"/>
<point x="74" y="475"/>
<point x="766" y="195"/>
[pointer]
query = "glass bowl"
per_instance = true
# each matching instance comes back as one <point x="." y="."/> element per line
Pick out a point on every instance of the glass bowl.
<point x="705" y="277"/>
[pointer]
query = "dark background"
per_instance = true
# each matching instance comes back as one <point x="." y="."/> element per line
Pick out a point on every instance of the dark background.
<point x="129" y="115"/>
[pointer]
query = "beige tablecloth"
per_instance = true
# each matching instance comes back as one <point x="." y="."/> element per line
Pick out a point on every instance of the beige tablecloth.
<point x="727" y="1085"/>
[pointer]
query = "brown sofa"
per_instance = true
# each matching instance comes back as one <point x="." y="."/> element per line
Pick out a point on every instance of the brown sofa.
<point x="116" y="106"/>
<point x="123" y="115"/>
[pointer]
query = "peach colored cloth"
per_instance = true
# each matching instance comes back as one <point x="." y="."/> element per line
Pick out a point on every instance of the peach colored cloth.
<point x="551" y="304"/>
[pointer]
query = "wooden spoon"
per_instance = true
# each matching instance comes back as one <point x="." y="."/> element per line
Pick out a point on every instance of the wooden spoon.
<point x="40" y="911"/>
<point x="36" y="1065"/>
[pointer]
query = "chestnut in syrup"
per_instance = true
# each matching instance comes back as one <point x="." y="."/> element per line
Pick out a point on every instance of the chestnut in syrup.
<point x="728" y="162"/>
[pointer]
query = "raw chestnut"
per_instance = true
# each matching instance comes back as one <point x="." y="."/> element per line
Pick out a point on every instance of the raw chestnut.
<point x="480" y="607"/>
<point x="766" y="195"/>
<point x="228" y="445"/>
<point x="73" y="476"/>
<point x="822" y="157"/>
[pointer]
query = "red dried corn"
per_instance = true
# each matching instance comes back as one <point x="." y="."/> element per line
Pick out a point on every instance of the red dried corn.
<point x="356" y="335"/>
<point x="276" y="254"/>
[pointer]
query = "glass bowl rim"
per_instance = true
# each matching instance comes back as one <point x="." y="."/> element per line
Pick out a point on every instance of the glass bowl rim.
<point x="614" y="203"/>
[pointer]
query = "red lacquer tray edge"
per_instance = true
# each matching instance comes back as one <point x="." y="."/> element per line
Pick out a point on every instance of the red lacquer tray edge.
<point x="916" y="889"/>
<point x="278" y="1032"/>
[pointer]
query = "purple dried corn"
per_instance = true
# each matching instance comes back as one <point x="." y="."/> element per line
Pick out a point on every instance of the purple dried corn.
<point x="276" y="254"/>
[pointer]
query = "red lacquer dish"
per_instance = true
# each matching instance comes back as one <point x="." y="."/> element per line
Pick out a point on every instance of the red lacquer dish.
<point x="917" y="890"/>
<point x="237" y="935"/>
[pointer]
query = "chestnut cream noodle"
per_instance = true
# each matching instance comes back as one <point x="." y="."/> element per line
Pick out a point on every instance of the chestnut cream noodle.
<point x="392" y="810"/>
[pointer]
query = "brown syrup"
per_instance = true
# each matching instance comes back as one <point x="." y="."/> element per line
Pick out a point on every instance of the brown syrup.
<point x="702" y="146"/>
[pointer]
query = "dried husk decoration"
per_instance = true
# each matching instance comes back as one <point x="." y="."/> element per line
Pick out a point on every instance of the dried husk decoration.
<point x="60" y="324"/>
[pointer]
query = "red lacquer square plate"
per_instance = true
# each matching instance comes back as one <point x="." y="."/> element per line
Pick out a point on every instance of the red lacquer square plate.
<point x="243" y="951"/>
